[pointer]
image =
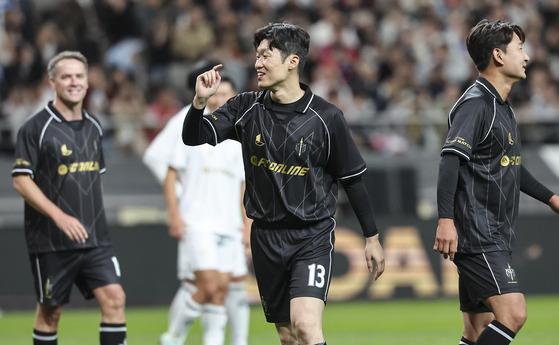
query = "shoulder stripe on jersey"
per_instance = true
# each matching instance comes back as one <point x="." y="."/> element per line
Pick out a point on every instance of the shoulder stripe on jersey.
<point x="249" y="109"/>
<point x="52" y="114"/>
<point x="513" y="113"/>
<point x="241" y="117"/>
<point x="87" y="116"/>
<point x="327" y="130"/>
<point x="455" y="104"/>
<point x="353" y="175"/>
<point x="213" y="129"/>
<point x="492" y="120"/>
<point x="485" y="87"/>
<point x="45" y="129"/>
<point x="309" y="104"/>
<point x="458" y="152"/>
<point x="494" y="108"/>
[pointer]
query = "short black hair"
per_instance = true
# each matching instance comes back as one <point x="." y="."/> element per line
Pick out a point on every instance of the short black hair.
<point x="488" y="35"/>
<point x="287" y="38"/>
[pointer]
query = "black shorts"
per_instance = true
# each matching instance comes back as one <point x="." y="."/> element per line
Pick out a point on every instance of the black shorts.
<point x="482" y="276"/>
<point x="291" y="263"/>
<point x="55" y="273"/>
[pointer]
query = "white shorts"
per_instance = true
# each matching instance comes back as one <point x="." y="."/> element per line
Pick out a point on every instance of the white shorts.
<point x="203" y="250"/>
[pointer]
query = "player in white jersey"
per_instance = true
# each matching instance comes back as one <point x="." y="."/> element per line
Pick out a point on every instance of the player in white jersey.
<point x="166" y="151"/>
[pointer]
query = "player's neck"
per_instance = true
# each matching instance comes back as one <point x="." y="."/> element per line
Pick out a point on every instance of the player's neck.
<point x="70" y="112"/>
<point x="286" y="95"/>
<point x="500" y="82"/>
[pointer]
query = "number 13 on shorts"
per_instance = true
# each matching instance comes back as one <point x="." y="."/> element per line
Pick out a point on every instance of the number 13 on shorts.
<point x="316" y="275"/>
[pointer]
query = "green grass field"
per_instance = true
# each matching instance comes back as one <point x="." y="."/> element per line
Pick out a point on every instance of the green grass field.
<point x="418" y="322"/>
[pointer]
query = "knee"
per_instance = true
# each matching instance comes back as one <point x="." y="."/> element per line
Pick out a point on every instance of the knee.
<point x="50" y="316"/>
<point x="287" y="338"/>
<point x="306" y="330"/>
<point x="213" y="292"/>
<point x="209" y="289"/>
<point x="516" y="320"/>
<point x="118" y="301"/>
<point x="113" y="301"/>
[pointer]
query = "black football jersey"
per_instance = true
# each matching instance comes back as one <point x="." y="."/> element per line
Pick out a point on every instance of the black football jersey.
<point x="65" y="159"/>
<point x="292" y="163"/>
<point x="484" y="133"/>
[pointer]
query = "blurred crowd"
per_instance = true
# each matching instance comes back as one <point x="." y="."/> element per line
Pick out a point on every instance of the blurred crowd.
<point x="394" y="67"/>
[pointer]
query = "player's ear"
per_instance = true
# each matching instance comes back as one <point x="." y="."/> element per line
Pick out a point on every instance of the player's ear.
<point x="293" y="61"/>
<point x="498" y="56"/>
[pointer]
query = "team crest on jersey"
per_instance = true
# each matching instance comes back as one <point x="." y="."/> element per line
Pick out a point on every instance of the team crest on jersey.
<point x="65" y="151"/>
<point x="509" y="271"/>
<point x="300" y="147"/>
<point x="258" y="141"/>
<point x="505" y="161"/>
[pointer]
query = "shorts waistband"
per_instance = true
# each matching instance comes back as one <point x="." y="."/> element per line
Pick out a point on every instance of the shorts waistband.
<point x="285" y="224"/>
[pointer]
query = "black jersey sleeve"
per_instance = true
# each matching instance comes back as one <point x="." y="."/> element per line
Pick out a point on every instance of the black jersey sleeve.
<point x="533" y="188"/>
<point x="359" y="199"/>
<point x="26" y="150"/>
<point x="345" y="160"/>
<point x="446" y="185"/>
<point x="217" y="126"/>
<point x="193" y="131"/>
<point x="469" y="125"/>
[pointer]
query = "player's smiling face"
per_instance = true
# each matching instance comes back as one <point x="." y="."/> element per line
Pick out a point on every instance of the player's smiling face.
<point x="271" y="69"/>
<point x="70" y="81"/>
<point x="515" y="59"/>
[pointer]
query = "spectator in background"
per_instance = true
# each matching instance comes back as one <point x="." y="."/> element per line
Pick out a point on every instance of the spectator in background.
<point x="128" y="109"/>
<point x="162" y="107"/>
<point x="160" y="40"/>
<point x="97" y="99"/>
<point x="158" y="54"/>
<point x="193" y="35"/>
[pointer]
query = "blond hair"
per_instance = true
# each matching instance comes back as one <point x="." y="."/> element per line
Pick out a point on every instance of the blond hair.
<point x="51" y="68"/>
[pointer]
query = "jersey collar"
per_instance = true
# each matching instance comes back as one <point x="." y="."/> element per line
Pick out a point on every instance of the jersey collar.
<point x="487" y="85"/>
<point x="303" y="104"/>
<point x="56" y="114"/>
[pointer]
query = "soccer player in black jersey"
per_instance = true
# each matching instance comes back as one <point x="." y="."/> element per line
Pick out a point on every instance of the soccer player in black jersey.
<point x="58" y="163"/>
<point x="296" y="147"/>
<point x="481" y="176"/>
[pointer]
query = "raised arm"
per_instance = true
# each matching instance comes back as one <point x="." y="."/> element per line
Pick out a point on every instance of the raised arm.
<point x="206" y="86"/>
